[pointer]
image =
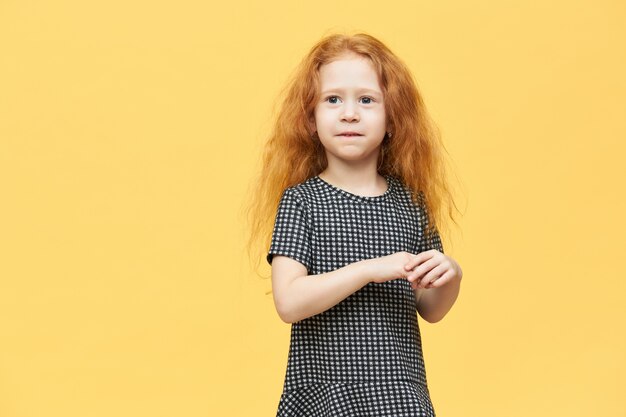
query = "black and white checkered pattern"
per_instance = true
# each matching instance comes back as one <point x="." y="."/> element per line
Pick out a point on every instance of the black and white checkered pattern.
<point x="362" y="357"/>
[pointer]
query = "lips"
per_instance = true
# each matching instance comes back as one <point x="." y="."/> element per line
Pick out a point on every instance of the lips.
<point x="350" y="134"/>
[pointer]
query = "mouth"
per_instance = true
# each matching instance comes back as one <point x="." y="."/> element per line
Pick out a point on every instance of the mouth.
<point x="348" y="134"/>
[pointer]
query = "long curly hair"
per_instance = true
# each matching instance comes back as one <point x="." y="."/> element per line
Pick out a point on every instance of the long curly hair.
<point x="414" y="154"/>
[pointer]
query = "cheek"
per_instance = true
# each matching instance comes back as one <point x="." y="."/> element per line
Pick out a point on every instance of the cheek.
<point x="379" y="120"/>
<point x="323" y="118"/>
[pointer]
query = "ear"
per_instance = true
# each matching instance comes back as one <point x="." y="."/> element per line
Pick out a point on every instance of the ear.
<point x="312" y="124"/>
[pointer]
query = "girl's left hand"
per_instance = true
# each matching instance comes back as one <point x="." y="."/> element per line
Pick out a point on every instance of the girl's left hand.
<point x="432" y="269"/>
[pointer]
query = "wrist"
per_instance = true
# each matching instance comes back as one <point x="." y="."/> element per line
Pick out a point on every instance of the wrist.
<point x="364" y="271"/>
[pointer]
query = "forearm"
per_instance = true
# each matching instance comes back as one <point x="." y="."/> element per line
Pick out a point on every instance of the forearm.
<point x="434" y="303"/>
<point x="309" y="295"/>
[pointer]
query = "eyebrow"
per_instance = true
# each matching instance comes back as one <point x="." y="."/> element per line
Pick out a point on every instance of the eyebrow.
<point x="361" y="90"/>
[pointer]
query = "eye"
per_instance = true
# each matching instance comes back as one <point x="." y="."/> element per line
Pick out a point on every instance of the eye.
<point x="332" y="99"/>
<point x="367" y="100"/>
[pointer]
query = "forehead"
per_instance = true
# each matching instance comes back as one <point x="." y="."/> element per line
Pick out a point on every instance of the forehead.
<point x="349" y="71"/>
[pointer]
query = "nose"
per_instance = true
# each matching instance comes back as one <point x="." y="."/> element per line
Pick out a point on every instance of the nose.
<point x="349" y="114"/>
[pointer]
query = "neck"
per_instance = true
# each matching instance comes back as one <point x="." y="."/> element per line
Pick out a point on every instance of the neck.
<point x="359" y="178"/>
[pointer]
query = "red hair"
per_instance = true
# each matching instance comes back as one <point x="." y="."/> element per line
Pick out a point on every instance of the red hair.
<point x="291" y="155"/>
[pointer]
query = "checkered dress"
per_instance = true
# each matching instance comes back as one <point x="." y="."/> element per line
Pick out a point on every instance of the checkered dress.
<point x="363" y="356"/>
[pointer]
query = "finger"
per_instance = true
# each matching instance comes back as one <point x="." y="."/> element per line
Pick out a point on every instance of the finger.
<point x="418" y="259"/>
<point x="441" y="263"/>
<point x="441" y="281"/>
<point x="415" y="260"/>
<point x="434" y="274"/>
<point x="421" y="270"/>
<point x="421" y="257"/>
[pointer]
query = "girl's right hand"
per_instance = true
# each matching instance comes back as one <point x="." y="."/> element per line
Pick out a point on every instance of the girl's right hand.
<point x="387" y="268"/>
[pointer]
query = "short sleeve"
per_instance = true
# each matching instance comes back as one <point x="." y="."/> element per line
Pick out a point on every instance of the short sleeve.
<point x="291" y="235"/>
<point x="433" y="241"/>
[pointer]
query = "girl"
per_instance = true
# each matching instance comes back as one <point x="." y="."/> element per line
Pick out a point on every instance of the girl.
<point x="354" y="181"/>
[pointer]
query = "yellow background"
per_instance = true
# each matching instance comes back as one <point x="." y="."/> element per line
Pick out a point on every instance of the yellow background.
<point x="129" y="132"/>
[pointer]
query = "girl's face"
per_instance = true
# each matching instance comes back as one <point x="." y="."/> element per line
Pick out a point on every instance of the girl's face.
<point x="350" y="116"/>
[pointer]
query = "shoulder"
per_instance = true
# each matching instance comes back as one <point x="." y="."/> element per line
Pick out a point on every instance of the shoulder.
<point x="403" y="190"/>
<point x="305" y="193"/>
<point x="298" y="196"/>
<point x="413" y="200"/>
